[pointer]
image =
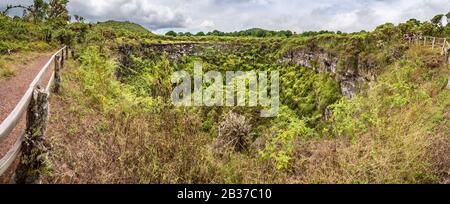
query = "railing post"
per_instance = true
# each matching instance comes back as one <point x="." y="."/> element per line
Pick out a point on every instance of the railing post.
<point x="448" y="83"/>
<point x="447" y="55"/>
<point x="57" y="86"/>
<point x="35" y="148"/>
<point x="72" y="52"/>
<point x="434" y="41"/>
<point x="443" y="46"/>
<point x="62" y="60"/>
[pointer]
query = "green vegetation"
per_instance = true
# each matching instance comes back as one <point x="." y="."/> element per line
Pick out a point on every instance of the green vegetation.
<point x="6" y="72"/>
<point x="120" y="127"/>
<point x="125" y="26"/>
<point x="254" y="32"/>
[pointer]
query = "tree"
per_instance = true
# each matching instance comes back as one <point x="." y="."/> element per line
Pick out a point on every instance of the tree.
<point x="200" y="34"/>
<point x="38" y="10"/>
<point x="78" y="18"/>
<point x="171" y="33"/>
<point x="413" y="21"/>
<point x="58" y="12"/>
<point x="9" y="7"/>
<point x="448" y="18"/>
<point x="65" y="36"/>
<point x="217" y="33"/>
<point x="437" y="20"/>
<point x="428" y="29"/>
<point x="287" y="33"/>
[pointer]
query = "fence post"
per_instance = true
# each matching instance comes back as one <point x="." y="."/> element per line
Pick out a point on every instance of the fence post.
<point x="35" y="148"/>
<point x="447" y="55"/>
<point x="434" y="41"/>
<point x="72" y="52"/>
<point x="62" y="59"/>
<point x="57" y="85"/>
<point x="443" y="46"/>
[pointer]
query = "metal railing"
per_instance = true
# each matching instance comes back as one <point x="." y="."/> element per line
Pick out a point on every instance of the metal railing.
<point x="8" y="125"/>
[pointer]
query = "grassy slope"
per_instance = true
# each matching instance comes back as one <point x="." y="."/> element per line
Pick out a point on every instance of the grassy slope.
<point x="20" y="42"/>
<point x="128" y="26"/>
<point x="10" y="64"/>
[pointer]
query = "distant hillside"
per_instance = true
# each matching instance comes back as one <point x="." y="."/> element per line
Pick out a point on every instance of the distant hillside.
<point x="126" y="25"/>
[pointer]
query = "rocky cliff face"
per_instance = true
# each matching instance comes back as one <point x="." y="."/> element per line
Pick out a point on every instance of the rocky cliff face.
<point x="175" y="51"/>
<point x="349" y="74"/>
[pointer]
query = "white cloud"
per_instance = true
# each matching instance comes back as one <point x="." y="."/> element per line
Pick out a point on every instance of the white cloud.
<point x="207" y="24"/>
<point x="230" y="15"/>
<point x="151" y="15"/>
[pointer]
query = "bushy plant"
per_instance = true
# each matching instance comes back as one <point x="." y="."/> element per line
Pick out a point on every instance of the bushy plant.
<point x="234" y="132"/>
<point x="288" y="130"/>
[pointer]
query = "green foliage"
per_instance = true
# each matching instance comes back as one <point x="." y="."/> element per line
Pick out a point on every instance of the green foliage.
<point x="254" y="32"/>
<point x="287" y="130"/>
<point x="39" y="10"/>
<point x="124" y="27"/>
<point x="148" y="78"/>
<point x="172" y="33"/>
<point x="19" y="35"/>
<point x="3" y="48"/>
<point x="65" y="36"/>
<point x="351" y="118"/>
<point x="200" y="34"/>
<point x="308" y="93"/>
<point x="437" y="20"/>
<point x="57" y="12"/>
<point x="6" y="72"/>
<point x="405" y="103"/>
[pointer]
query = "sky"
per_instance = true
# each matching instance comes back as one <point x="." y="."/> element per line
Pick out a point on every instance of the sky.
<point x="231" y="15"/>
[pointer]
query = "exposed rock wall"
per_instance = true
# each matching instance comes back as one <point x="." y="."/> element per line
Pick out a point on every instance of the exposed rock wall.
<point x="349" y="75"/>
<point x="175" y="51"/>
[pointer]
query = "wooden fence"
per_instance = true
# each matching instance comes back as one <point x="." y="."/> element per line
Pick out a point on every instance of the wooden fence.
<point x="442" y="44"/>
<point x="14" y="117"/>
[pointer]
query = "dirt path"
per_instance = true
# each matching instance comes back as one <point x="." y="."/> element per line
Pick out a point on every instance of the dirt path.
<point x="12" y="90"/>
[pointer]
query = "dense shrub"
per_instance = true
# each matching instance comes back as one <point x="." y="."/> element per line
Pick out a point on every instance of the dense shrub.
<point x="234" y="132"/>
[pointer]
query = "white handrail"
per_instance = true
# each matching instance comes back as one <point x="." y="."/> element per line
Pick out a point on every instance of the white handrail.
<point x="9" y="158"/>
<point x="11" y="121"/>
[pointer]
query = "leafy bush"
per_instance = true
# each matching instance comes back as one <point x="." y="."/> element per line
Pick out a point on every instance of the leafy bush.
<point x="287" y="131"/>
<point x="4" y="48"/>
<point x="6" y="72"/>
<point x="65" y="36"/>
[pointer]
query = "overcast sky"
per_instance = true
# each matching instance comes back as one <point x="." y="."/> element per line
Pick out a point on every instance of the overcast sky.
<point x="230" y="15"/>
